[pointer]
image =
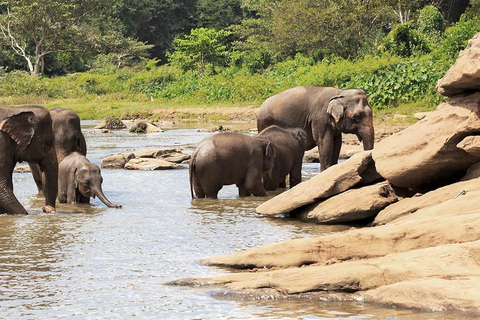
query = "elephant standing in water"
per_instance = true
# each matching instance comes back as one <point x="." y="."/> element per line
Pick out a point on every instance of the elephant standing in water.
<point x="231" y="158"/>
<point x="68" y="138"/>
<point x="289" y="145"/>
<point x="324" y="113"/>
<point x="79" y="180"/>
<point x="26" y="135"/>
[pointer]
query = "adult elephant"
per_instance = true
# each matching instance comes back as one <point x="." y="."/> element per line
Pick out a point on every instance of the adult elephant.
<point x="324" y="113"/>
<point x="26" y="135"/>
<point x="231" y="158"/>
<point x="68" y="138"/>
<point x="79" y="180"/>
<point x="289" y="145"/>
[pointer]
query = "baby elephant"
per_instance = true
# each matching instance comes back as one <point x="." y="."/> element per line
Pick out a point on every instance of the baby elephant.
<point x="231" y="158"/>
<point x="289" y="145"/>
<point x="79" y="179"/>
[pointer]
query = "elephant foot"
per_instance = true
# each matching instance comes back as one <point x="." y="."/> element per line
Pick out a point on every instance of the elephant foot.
<point x="48" y="209"/>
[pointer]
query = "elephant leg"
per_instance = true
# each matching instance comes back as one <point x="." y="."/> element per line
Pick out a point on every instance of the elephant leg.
<point x="37" y="176"/>
<point x="197" y="188"/>
<point x="325" y="150"/>
<point x="253" y="182"/>
<point x="8" y="202"/>
<point x="274" y="181"/>
<point x="242" y="190"/>
<point x="337" y="146"/>
<point x="296" y="174"/>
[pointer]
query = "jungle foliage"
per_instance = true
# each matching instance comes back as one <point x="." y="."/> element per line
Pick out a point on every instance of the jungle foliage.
<point x="233" y="51"/>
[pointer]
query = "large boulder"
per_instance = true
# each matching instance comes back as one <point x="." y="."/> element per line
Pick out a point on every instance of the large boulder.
<point x="147" y="164"/>
<point x="471" y="144"/>
<point x="464" y="75"/>
<point x="351" y="205"/>
<point x="116" y="161"/>
<point x="357" y="170"/>
<point x="425" y="155"/>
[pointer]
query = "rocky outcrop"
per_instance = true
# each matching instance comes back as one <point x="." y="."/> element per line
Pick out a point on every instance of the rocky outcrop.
<point x="464" y="75"/>
<point x="359" y="169"/>
<point x="357" y="204"/>
<point x="425" y="155"/>
<point x="153" y="159"/>
<point x="111" y="123"/>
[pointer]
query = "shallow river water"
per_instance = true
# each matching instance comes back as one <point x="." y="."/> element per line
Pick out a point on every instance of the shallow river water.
<point x="92" y="262"/>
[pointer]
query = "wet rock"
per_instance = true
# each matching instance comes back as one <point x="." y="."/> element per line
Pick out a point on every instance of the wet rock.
<point x="150" y="164"/>
<point x="144" y="127"/>
<point x="111" y="123"/>
<point x="464" y="75"/>
<point x="357" y="170"/>
<point x="425" y="155"/>
<point x="351" y="205"/>
<point x="116" y="161"/>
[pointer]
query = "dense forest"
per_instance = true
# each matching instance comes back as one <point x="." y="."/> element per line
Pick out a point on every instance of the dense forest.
<point x="230" y="51"/>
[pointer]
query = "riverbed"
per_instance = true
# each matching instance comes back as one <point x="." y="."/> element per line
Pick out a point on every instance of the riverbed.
<point x="93" y="262"/>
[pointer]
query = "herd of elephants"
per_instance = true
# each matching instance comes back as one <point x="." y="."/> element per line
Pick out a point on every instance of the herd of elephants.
<point x="290" y="122"/>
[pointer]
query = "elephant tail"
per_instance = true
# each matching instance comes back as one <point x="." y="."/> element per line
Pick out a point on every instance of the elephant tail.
<point x="191" y="172"/>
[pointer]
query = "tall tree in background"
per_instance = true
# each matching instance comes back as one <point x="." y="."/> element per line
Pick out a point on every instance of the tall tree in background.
<point x="218" y="14"/>
<point x="35" y="29"/>
<point x="156" y="22"/>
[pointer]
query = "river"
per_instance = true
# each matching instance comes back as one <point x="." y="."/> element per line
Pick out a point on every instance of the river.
<point x="92" y="262"/>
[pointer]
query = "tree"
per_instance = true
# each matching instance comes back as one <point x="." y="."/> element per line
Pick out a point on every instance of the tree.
<point x="36" y="29"/>
<point x="202" y="49"/>
<point x="219" y="14"/>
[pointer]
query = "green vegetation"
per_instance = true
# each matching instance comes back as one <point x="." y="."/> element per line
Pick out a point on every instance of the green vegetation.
<point x="232" y="53"/>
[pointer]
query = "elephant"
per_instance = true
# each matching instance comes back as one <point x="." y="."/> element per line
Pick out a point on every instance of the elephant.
<point x="231" y="158"/>
<point x="324" y="113"/>
<point x="26" y="135"/>
<point x="289" y="146"/>
<point x="79" y="180"/>
<point x="68" y="138"/>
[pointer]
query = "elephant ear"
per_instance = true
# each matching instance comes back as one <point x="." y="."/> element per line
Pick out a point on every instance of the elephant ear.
<point x="269" y="150"/>
<point x="80" y="173"/>
<point x="335" y="108"/>
<point x="19" y="127"/>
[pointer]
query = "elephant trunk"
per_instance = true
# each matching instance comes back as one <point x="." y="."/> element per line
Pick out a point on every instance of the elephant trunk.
<point x="367" y="135"/>
<point x="50" y="187"/>
<point x="98" y="192"/>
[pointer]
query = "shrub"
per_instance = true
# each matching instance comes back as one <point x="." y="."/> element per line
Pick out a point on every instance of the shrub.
<point x="431" y="24"/>
<point x="405" y="41"/>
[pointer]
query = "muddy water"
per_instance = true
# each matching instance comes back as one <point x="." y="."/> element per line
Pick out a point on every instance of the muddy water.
<point x="91" y="262"/>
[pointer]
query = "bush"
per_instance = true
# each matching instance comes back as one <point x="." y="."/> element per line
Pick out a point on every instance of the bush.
<point x="405" y="41"/>
<point x="431" y="24"/>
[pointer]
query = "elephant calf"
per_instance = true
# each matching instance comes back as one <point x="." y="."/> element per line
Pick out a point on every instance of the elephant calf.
<point x="79" y="179"/>
<point x="231" y="158"/>
<point x="289" y="145"/>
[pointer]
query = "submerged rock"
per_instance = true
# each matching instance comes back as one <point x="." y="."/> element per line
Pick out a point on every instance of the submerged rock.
<point x="151" y="159"/>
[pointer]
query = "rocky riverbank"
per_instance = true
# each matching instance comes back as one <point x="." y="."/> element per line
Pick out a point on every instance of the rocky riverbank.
<point x="418" y="195"/>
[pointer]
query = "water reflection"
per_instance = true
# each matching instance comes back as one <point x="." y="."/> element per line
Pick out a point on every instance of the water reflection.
<point x="89" y="261"/>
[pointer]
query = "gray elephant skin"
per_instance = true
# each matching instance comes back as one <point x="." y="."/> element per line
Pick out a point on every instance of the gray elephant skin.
<point x="68" y="138"/>
<point x="231" y="158"/>
<point x="26" y="135"/>
<point x="324" y="113"/>
<point x="289" y="146"/>
<point x="79" y="180"/>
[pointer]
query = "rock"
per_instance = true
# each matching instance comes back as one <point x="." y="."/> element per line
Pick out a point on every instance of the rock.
<point x="351" y="205"/>
<point x="359" y="169"/>
<point x="464" y="75"/>
<point x="116" y="161"/>
<point x="346" y="152"/>
<point x="150" y="164"/>
<point x="144" y="127"/>
<point x="425" y="155"/>
<point x="111" y="123"/>
<point x="175" y="157"/>
<point x="22" y="168"/>
<point x="420" y="115"/>
<point x="473" y="172"/>
<point x="409" y="206"/>
<point x="471" y="145"/>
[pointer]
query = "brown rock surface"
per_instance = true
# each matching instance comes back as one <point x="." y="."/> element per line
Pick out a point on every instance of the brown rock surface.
<point x="150" y="164"/>
<point x="425" y="154"/>
<point x="357" y="204"/>
<point x="336" y="179"/>
<point x="471" y="145"/>
<point x="464" y="75"/>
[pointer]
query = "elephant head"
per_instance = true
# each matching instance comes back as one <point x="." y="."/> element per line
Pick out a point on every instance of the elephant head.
<point x="88" y="182"/>
<point x="32" y="140"/>
<point x="351" y="113"/>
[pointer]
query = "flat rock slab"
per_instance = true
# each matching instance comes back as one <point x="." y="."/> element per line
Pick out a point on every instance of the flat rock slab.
<point x="334" y="180"/>
<point x="351" y="205"/>
<point x="425" y="155"/>
<point x="464" y="75"/>
<point x="150" y="164"/>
